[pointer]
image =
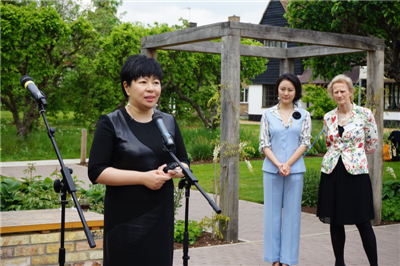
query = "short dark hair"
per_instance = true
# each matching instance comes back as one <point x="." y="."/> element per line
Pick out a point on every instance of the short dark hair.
<point x="137" y="66"/>
<point x="295" y="81"/>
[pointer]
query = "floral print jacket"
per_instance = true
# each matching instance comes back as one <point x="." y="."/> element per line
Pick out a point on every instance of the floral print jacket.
<point x="360" y="137"/>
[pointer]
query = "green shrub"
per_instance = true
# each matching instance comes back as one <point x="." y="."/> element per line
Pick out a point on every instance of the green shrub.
<point x="201" y="148"/>
<point x="214" y="222"/>
<point x="8" y="188"/>
<point x="390" y="189"/>
<point x="322" y="145"/>
<point x="194" y="230"/>
<point x="319" y="98"/>
<point x="311" y="181"/>
<point x="316" y="144"/>
<point x="391" y="209"/>
<point x="312" y="152"/>
<point x="95" y="194"/>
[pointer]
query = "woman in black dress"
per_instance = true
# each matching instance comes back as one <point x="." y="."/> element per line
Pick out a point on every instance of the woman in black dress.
<point x="345" y="191"/>
<point x="127" y="155"/>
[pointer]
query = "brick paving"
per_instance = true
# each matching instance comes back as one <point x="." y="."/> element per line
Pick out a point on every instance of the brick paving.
<point x="315" y="245"/>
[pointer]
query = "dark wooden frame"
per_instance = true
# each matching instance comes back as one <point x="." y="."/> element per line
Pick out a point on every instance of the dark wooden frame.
<point x="197" y="39"/>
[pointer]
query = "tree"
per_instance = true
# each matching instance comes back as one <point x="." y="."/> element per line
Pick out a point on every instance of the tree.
<point x="37" y="42"/>
<point x="190" y="79"/>
<point x="98" y="71"/>
<point x="196" y="77"/>
<point x="366" y="18"/>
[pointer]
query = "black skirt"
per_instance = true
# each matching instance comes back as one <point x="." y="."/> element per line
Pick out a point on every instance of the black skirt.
<point x="344" y="198"/>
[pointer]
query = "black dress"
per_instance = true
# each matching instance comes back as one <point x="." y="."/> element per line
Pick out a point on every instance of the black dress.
<point x="138" y="221"/>
<point x="344" y="198"/>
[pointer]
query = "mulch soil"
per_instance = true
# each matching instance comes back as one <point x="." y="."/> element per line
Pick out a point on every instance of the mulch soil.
<point x="203" y="241"/>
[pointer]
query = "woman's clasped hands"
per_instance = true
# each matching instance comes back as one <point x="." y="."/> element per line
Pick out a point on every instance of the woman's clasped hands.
<point x="157" y="178"/>
<point x="284" y="169"/>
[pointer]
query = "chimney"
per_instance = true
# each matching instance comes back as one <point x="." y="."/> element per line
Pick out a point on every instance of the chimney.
<point x="234" y="18"/>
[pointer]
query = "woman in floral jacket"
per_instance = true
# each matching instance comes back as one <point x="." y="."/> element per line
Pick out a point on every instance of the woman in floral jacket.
<point x="345" y="191"/>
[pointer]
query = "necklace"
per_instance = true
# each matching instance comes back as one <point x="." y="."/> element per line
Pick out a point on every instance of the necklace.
<point x="285" y="116"/>
<point x="341" y="119"/>
<point x="344" y="118"/>
<point x="130" y="113"/>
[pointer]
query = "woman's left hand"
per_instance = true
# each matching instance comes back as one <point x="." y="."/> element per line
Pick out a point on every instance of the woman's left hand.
<point x="284" y="170"/>
<point x="177" y="172"/>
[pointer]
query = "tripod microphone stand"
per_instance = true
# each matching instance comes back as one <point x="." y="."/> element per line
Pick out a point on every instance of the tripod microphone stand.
<point x="187" y="181"/>
<point x="66" y="185"/>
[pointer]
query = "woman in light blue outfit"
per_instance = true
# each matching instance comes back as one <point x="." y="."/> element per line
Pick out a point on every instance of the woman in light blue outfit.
<point x="285" y="134"/>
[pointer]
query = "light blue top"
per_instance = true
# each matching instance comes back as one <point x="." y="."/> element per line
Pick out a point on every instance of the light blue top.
<point x="284" y="140"/>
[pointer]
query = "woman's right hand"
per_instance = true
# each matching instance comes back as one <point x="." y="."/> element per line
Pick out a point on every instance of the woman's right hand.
<point x="156" y="178"/>
<point x="284" y="169"/>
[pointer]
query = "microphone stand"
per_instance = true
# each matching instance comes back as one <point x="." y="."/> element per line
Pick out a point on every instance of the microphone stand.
<point x="66" y="185"/>
<point x="186" y="181"/>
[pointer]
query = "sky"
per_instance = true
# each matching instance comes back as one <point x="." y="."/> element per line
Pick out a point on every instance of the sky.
<point x="202" y="12"/>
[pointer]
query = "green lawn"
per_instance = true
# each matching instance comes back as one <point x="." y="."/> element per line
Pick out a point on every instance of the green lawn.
<point x="68" y="136"/>
<point x="251" y="185"/>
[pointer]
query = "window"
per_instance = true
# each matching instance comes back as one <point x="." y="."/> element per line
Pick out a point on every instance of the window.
<point x="244" y="94"/>
<point x="269" y="95"/>
<point x="275" y="44"/>
<point x="392" y="99"/>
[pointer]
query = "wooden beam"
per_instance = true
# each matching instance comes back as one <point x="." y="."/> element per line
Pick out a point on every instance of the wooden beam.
<point x="199" y="47"/>
<point x="375" y="93"/>
<point x="191" y="35"/>
<point x="274" y="33"/>
<point x="262" y="51"/>
<point x="264" y="32"/>
<point x="147" y="51"/>
<point x="230" y="107"/>
<point x="317" y="51"/>
<point x="215" y="48"/>
<point x="286" y="66"/>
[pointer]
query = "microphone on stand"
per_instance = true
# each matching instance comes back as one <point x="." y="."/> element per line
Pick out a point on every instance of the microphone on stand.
<point x="27" y="83"/>
<point x="167" y="138"/>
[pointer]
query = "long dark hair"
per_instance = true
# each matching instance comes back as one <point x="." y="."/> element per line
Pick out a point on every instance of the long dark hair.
<point x="295" y="81"/>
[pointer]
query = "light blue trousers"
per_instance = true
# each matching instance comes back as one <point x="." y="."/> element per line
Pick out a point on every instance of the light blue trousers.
<point x="282" y="217"/>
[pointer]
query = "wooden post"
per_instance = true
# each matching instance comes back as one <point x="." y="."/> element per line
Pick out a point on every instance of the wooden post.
<point x="149" y="52"/>
<point x="83" y="145"/>
<point x="286" y="66"/>
<point x="375" y="83"/>
<point x="230" y="110"/>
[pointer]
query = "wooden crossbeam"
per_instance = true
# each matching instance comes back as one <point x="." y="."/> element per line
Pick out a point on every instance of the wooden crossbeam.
<point x="263" y="32"/>
<point x="191" y="35"/>
<point x="317" y="51"/>
<point x="274" y="33"/>
<point x="215" y="48"/>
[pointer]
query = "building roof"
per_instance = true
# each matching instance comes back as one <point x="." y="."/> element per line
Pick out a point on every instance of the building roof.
<point x="284" y="5"/>
<point x="305" y="78"/>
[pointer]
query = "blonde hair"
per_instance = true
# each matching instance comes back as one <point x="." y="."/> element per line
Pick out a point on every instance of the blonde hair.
<point x="343" y="79"/>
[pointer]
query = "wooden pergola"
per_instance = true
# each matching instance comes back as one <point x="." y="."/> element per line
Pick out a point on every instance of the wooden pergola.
<point x="196" y="39"/>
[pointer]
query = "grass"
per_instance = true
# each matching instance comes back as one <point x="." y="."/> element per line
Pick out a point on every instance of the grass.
<point x="198" y="141"/>
<point x="251" y="185"/>
<point x="37" y="145"/>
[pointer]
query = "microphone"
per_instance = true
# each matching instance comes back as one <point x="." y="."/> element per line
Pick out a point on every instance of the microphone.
<point x="167" y="138"/>
<point x="27" y="83"/>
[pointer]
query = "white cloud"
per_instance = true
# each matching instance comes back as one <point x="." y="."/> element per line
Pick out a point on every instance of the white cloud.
<point x="202" y="13"/>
